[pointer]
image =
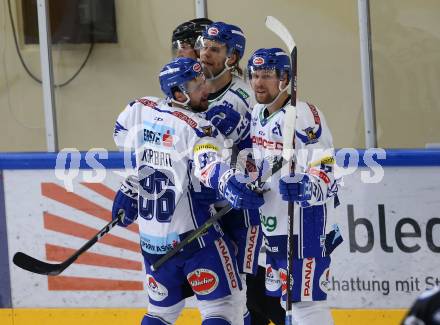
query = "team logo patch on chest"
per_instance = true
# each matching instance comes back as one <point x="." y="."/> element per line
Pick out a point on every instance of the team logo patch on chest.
<point x="277" y="129"/>
<point x="203" y="281"/>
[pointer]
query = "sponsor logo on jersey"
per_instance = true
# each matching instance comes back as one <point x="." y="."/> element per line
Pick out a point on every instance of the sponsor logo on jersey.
<point x="269" y="223"/>
<point x="197" y="68"/>
<point x="157" y="158"/>
<point x="308" y="272"/>
<point x="315" y="114"/>
<point x="227" y="263"/>
<point x="205" y="146"/>
<point x="147" y="102"/>
<point x="251" y="244"/>
<point x="158" y="245"/>
<point x="203" y="281"/>
<point x="185" y="118"/>
<point x="213" y="31"/>
<point x="159" y="135"/>
<point x="243" y="94"/>
<point x="321" y="174"/>
<point x="258" y="61"/>
<point x="272" y="281"/>
<point x="158" y="118"/>
<point x="156" y="290"/>
<point x="267" y="144"/>
<point x="324" y="281"/>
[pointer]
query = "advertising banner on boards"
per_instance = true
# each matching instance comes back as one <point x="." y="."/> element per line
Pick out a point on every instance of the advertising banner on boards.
<point x="390" y="253"/>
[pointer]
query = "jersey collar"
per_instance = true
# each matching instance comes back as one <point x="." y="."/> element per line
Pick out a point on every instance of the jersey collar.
<point x="264" y="120"/>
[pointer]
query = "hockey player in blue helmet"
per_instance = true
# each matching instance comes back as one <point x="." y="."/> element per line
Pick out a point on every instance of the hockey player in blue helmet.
<point x="224" y="41"/>
<point x="221" y="47"/>
<point x="172" y="141"/>
<point x="184" y="84"/>
<point x="312" y="188"/>
<point x="271" y="61"/>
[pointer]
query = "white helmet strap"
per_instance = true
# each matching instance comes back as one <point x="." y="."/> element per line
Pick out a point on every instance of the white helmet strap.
<point x="282" y="90"/>
<point x="185" y="103"/>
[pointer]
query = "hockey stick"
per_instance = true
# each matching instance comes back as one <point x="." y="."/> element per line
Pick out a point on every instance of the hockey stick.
<point x="33" y="265"/>
<point x="288" y="148"/>
<point x="196" y="233"/>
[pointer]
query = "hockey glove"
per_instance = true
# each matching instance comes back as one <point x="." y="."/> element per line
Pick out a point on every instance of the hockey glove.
<point x="224" y="118"/>
<point x="126" y="202"/>
<point x="233" y="187"/>
<point x="296" y="188"/>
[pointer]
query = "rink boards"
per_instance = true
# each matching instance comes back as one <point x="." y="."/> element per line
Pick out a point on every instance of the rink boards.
<point x="389" y="217"/>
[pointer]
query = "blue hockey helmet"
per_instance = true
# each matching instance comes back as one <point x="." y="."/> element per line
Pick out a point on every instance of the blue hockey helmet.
<point x="177" y="73"/>
<point x="270" y="59"/>
<point x="230" y="35"/>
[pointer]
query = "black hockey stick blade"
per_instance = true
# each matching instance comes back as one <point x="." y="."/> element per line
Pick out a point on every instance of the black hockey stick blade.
<point x="33" y="265"/>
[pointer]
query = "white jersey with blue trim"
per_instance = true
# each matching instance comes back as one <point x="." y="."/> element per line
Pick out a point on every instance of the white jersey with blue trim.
<point x="171" y="144"/>
<point x="314" y="156"/>
<point x="241" y="97"/>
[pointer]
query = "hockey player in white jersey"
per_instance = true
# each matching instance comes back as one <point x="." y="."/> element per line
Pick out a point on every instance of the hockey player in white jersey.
<point x="313" y="189"/>
<point x="221" y="47"/>
<point x="171" y="142"/>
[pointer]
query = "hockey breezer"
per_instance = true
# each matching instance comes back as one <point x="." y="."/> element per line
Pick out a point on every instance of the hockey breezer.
<point x="256" y="186"/>
<point x="33" y="265"/>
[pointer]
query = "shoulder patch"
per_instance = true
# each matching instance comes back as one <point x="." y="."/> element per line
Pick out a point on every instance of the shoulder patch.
<point x="242" y="93"/>
<point x="207" y="130"/>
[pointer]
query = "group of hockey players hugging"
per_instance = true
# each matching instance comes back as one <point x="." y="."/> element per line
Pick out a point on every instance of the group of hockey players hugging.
<point x="197" y="150"/>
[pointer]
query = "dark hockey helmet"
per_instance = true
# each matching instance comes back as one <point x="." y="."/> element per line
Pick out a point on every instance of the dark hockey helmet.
<point x="230" y="35"/>
<point x="270" y="59"/>
<point x="177" y="73"/>
<point x="189" y="31"/>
